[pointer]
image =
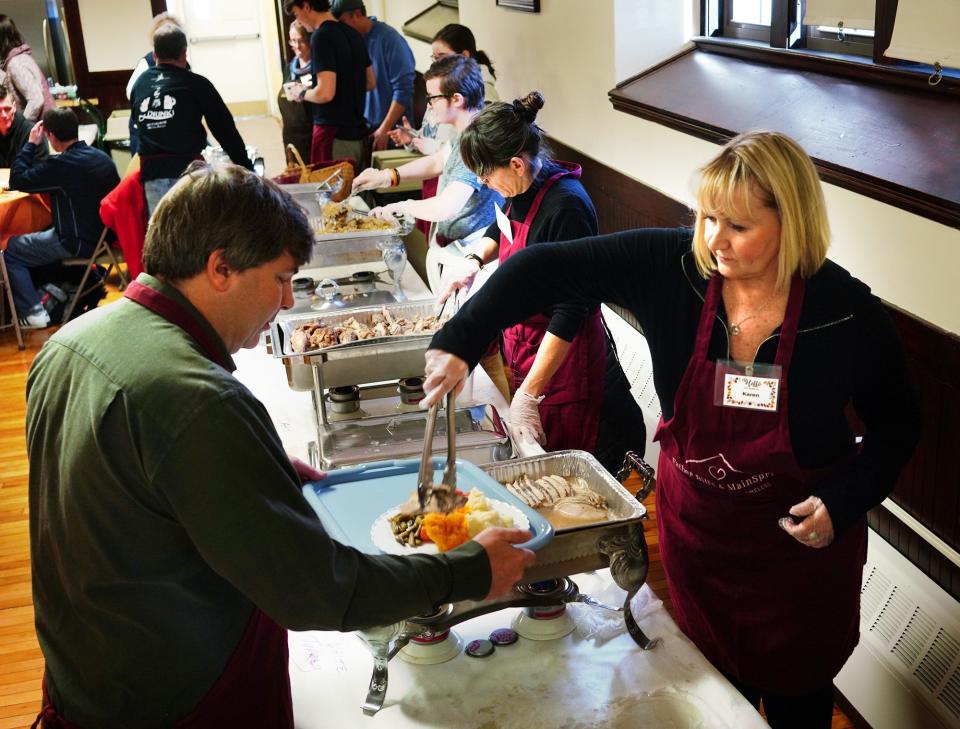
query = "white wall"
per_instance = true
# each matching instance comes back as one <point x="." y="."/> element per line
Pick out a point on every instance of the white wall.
<point x="108" y="50"/>
<point x="571" y="55"/>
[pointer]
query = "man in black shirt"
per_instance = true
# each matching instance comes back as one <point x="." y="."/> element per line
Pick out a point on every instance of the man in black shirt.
<point x="342" y="74"/>
<point x="14" y="130"/>
<point x="170" y="104"/>
<point x="77" y="179"/>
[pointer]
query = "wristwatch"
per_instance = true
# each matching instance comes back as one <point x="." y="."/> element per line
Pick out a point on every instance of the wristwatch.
<point x="476" y="258"/>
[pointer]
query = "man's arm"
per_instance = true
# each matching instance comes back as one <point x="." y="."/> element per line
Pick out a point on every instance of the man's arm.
<point x="222" y="126"/>
<point x="371" y="79"/>
<point x="325" y="89"/>
<point x="27" y="176"/>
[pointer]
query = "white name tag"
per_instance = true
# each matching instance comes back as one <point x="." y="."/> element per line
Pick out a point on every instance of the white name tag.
<point x="503" y="222"/>
<point x="753" y="393"/>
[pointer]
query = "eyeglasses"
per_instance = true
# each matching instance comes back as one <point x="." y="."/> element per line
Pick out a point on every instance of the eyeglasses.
<point x="439" y="56"/>
<point x="430" y="99"/>
<point x="296" y="43"/>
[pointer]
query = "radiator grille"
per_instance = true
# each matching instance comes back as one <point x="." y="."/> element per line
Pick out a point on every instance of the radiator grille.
<point x="950" y="696"/>
<point x="941" y="657"/>
<point x="893" y="615"/>
<point x="914" y="639"/>
<point x="875" y="588"/>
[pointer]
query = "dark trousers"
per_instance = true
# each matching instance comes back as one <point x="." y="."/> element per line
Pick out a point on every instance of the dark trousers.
<point x="30" y="251"/>
<point x="808" y="711"/>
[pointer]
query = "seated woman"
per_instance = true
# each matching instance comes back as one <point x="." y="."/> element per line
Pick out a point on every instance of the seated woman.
<point x="463" y="207"/>
<point x="570" y="391"/>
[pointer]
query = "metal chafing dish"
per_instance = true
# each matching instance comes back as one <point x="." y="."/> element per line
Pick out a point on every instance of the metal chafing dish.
<point x="589" y="546"/>
<point x="370" y="360"/>
<point x="351" y="442"/>
<point x="337" y="249"/>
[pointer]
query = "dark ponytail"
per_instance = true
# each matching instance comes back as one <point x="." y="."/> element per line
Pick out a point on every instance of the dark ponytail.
<point x="460" y="38"/>
<point x="502" y="131"/>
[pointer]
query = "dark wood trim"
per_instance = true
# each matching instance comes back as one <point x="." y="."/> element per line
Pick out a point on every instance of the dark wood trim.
<point x="158" y="6"/>
<point x="886" y="12"/>
<point x="915" y="177"/>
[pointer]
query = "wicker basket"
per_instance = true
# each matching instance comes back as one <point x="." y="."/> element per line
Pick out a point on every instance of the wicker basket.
<point x="338" y="173"/>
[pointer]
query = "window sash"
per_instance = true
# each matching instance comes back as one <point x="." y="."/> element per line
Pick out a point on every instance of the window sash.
<point x="925" y="31"/>
<point x="852" y="13"/>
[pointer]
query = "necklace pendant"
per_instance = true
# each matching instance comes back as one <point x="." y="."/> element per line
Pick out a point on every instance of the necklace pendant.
<point x="735" y="330"/>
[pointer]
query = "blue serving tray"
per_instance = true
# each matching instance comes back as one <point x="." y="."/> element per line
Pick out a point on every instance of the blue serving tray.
<point x="349" y="500"/>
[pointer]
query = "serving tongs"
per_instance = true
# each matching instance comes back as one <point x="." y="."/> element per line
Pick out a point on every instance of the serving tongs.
<point x="445" y="492"/>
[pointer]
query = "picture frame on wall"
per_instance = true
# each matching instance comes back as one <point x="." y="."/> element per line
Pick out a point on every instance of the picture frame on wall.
<point x="529" y="6"/>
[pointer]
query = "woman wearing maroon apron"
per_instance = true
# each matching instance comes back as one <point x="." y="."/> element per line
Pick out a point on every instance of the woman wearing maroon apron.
<point x="759" y="345"/>
<point x="569" y="389"/>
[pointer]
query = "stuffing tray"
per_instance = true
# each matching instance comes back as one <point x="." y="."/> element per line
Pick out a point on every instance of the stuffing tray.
<point x="348" y="501"/>
<point x="585" y="547"/>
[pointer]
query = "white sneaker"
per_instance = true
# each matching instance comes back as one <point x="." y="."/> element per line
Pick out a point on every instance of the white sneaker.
<point x="35" y="320"/>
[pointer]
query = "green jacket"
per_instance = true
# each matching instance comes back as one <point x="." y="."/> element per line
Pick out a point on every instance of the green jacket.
<point x="163" y="509"/>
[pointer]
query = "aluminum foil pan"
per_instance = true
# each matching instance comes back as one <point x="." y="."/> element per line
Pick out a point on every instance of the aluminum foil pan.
<point x="282" y="329"/>
<point x="585" y="547"/>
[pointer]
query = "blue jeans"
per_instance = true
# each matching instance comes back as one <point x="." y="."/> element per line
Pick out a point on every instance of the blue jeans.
<point x="154" y="190"/>
<point x="29" y="251"/>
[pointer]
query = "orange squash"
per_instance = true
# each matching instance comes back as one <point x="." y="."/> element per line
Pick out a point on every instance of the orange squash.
<point x="446" y="530"/>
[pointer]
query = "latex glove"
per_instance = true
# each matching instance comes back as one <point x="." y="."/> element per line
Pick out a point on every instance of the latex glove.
<point x="443" y="372"/>
<point x="457" y="274"/>
<point x="306" y="472"/>
<point x="403" y="135"/>
<point x="371" y="179"/>
<point x="816" y="529"/>
<point x="525" y="418"/>
<point x="390" y="212"/>
<point x="507" y="562"/>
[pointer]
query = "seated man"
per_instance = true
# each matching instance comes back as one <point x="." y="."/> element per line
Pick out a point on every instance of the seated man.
<point x="14" y="130"/>
<point x="171" y="544"/>
<point x="170" y="103"/>
<point x="77" y="178"/>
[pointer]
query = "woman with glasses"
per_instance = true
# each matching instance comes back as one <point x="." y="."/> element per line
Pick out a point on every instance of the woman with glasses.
<point x="463" y="207"/>
<point x="450" y="40"/>
<point x="569" y="389"/>
<point x="297" y="117"/>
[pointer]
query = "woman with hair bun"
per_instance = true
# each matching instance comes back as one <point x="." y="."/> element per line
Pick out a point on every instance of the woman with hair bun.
<point x="569" y="389"/>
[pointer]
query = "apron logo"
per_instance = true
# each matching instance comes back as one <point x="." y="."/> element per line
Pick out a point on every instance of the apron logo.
<point x="716" y="470"/>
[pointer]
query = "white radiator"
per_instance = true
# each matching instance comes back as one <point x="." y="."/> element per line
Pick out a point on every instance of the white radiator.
<point x="905" y="674"/>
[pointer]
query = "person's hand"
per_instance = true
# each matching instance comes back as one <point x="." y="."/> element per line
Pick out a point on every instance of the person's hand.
<point x="371" y="179"/>
<point x="381" y="138"/>
<point x="507" y="562"/>
<point x="293" y="89"/>
<point x="418" y="144"/>
<point x="457" y="275"/>
<point x="36" y="134"/>
<point x="389" y="212"/>
<point x="306" y="472"/>
<point x="816" y="529"/>
<point x="525" y="418"/>
<point x="401" y="136"/>
<point x="443" y="372"/>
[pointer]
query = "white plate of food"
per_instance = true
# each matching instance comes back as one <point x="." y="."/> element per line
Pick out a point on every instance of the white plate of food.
<point x="383" y="538"/>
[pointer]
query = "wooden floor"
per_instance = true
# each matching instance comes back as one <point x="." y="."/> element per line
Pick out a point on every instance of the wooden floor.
<point x="21" y="664"/>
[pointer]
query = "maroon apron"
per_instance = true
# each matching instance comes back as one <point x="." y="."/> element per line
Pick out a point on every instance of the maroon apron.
<point x="570" y="410"/>
<point x="772" y="613"/>
<point x="254" y="689"/>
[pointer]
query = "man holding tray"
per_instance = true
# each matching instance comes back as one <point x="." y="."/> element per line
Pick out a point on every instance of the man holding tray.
<point x="170" y="543"/>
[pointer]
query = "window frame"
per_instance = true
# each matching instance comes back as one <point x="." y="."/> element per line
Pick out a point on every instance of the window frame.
<point x="789" y="36"/>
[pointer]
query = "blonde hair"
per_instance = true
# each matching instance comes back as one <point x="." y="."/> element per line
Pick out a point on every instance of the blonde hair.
<point x="161" y="19"/>
<point x="782" y="174"/>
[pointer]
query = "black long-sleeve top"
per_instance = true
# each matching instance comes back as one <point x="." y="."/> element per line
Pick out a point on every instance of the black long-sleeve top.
<point x="566" y="213"/>
<point x="847" y="350"/>
<point x="169" y="104"/>
<point x="77" y="179"/>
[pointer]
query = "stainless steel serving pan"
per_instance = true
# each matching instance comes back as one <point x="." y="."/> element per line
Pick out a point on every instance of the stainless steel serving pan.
<point x="371" y="360"/>
<point x="586" y="547"/>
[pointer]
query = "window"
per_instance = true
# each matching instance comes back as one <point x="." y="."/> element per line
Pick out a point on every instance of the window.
<point x="918" y="36"/>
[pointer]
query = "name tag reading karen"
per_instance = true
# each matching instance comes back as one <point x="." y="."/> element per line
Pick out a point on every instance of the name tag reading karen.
<point x="751" y="387"/>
